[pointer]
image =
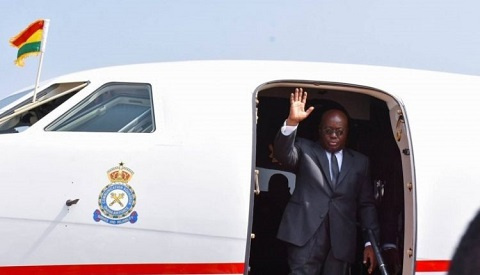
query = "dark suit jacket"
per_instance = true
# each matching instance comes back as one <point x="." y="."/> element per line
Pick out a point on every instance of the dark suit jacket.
<point x="314" y="198"/>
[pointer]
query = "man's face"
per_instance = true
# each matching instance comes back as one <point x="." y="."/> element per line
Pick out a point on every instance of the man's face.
<point x="334" y="130"/>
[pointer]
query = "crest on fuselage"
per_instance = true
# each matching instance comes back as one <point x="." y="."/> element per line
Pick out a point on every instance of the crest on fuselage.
<point x="117" y="200"/>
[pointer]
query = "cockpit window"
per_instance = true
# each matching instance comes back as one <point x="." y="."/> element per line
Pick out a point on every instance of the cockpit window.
<point x="9" y="99"/>
<point x="115" y="107"/>
<point x="18" y="112"/>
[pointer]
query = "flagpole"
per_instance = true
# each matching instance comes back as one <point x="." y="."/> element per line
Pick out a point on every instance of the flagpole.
<point x="46" y="24"/>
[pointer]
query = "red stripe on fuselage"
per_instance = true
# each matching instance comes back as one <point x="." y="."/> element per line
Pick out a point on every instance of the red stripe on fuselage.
<point x="201" y="268"/>
<point x="432" y="266"/>
<point x="212" y="268"/>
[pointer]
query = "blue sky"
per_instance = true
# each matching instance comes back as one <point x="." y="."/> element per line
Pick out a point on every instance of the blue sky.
<point x="433" y="35"/>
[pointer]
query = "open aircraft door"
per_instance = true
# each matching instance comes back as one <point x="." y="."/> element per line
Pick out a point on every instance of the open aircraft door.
<point x="378" y="128"/>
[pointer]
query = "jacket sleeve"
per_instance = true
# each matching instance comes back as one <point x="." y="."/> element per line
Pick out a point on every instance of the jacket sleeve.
<point x="285" y="151"/>
<point x="366" y="204"/>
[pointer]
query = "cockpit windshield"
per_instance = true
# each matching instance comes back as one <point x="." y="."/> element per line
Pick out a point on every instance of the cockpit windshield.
<point x="25" y="113"/>
<point x="9" y="99"/>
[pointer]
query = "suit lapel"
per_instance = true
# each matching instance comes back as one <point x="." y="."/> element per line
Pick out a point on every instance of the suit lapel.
<point x="347" y="163"/>
<point x="324" y="165"/>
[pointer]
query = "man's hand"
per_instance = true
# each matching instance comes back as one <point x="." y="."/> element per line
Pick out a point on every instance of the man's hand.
<point x="369" y="259"/>
<point x="297" y="107"/>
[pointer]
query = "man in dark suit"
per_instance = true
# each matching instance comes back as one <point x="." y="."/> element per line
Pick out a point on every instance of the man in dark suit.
<point x="465" y="260"/>
<point x="332" y="188"/>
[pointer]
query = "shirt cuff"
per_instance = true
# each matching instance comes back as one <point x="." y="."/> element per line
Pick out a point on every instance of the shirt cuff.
<point x="287" y="130"/>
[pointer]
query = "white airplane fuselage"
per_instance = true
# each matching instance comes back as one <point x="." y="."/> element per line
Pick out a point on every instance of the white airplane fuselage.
<point x="175" y="195"/>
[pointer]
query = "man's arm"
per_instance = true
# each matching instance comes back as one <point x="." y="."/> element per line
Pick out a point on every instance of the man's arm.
<point x="284" y="150"/>
<point x="368" y="216"/>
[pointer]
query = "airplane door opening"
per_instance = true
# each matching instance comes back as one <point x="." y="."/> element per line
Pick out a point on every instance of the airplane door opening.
<point x="377" y="129"/>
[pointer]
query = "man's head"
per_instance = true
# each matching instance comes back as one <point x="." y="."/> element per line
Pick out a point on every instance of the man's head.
<point x="333" y="130"/>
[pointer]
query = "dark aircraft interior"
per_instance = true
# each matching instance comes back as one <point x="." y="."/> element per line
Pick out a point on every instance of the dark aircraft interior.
<point x="370" y="132"/>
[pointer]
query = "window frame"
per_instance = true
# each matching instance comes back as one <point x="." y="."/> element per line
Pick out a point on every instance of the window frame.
<point x="119" y="93"/>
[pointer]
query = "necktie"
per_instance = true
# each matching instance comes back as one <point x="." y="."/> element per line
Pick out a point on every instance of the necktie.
<point x="334" y="167"/>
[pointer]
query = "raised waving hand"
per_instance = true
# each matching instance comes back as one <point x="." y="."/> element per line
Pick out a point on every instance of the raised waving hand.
<point x="297" y="107"/>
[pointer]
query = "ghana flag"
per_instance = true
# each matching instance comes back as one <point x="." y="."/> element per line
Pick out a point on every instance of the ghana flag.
<point x="29" y="41"/>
